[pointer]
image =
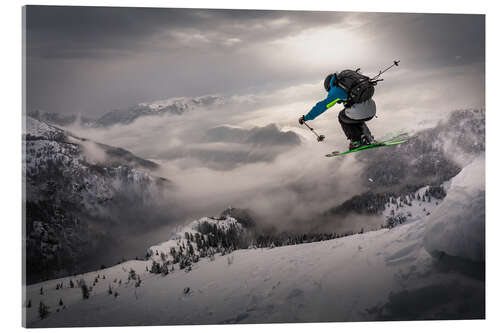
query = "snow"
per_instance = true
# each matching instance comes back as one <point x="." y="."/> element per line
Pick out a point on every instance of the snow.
<point x="378" y="275"/>
<point x="53" y="145"/>
<point x="457" y="227"/>
<point x="418" y="210"/>
<point x="184" y="103"/>
<point x="41" y="129"/>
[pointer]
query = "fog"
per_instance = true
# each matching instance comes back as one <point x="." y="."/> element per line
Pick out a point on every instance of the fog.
<point x="249" y="152"/>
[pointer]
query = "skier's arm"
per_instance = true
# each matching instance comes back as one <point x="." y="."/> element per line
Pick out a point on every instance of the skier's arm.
<point x="321" y="107"/>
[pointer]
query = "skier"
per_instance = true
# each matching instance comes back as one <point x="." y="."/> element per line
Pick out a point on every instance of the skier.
<point x="342" y="88"/>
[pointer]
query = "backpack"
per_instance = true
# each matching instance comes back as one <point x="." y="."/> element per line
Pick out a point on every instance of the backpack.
<point x="359" y="88"/>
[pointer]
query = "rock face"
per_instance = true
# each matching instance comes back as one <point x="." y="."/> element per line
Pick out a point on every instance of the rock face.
<point x="76" y="193"/>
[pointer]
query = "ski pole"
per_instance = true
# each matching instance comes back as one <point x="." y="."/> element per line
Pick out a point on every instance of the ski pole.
<point x="319" y="137"/>
<point x="395" y="63"/>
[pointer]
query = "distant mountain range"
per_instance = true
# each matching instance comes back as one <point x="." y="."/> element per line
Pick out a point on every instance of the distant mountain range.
<point x="172" y="106"/>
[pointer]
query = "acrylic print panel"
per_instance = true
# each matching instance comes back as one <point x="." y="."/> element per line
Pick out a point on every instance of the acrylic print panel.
<point x="169" y="180"/>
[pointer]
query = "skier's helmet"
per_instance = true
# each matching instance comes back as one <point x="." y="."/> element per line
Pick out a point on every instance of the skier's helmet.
<point x="327" y="82"/>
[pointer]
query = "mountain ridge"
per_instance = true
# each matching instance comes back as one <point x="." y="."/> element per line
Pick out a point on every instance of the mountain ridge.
<point x="125" y="116"/>
<point x="75" y="189"/>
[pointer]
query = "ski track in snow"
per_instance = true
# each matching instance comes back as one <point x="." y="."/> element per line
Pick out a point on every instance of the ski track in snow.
<point x="344" y="279"/>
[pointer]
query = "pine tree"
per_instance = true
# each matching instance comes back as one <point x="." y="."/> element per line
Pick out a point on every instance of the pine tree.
<point x="85" y="289"/>
<point x="132" y="275"/>
<point x="43" y="310"/>
<point x="164" y="269"/>
<point x="138" y="282"/>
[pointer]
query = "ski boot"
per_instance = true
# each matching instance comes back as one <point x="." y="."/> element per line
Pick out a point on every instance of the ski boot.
<point x="365" y="140"/>
<point x="354" y="145"/>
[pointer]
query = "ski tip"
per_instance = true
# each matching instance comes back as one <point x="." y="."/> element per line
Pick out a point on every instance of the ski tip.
<point x="332" y="154"/>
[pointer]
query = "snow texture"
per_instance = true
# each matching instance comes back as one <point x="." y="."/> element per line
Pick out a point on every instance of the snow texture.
<point x="457" y="227"/>
<point x="382" y="275"/>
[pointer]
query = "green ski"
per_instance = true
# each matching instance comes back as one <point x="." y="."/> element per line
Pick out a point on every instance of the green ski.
<point x="391" y="142"/>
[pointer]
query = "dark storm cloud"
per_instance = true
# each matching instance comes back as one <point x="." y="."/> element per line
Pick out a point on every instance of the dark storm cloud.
<point x="429" y="39"/>
<point x="87" y="32"/>
<point x="90" y="60"/>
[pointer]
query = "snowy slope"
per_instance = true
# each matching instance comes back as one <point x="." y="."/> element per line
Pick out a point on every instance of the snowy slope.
<point x="382" y="275"/>
<point x="457" y="227"/>
<point x="413" y="209"/>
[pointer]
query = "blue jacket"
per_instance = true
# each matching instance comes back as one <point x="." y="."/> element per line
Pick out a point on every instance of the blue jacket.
<point x="335" y="95"/>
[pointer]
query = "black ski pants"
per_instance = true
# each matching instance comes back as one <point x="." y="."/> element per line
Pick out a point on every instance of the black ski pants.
<point x="353" y="128"/>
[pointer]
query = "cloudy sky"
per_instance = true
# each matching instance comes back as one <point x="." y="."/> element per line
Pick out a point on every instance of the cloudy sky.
<point x="90" y="60"/>
<point x="269" y="67"/>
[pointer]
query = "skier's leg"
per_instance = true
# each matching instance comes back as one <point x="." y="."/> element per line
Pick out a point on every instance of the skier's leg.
<point x="359" y="114"/>
<point x="353" y="129"/>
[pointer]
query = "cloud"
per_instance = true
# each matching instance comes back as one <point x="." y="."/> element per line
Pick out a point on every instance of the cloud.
<point x="90" y="60"/>
<point x="248" y="152"/>
<point x="269" y="65"/>
<point x="83" y="32"/>
<point x="226" y="147"/>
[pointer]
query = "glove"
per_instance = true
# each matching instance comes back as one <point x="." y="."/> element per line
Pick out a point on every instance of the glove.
<point x="302" y="120"/>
